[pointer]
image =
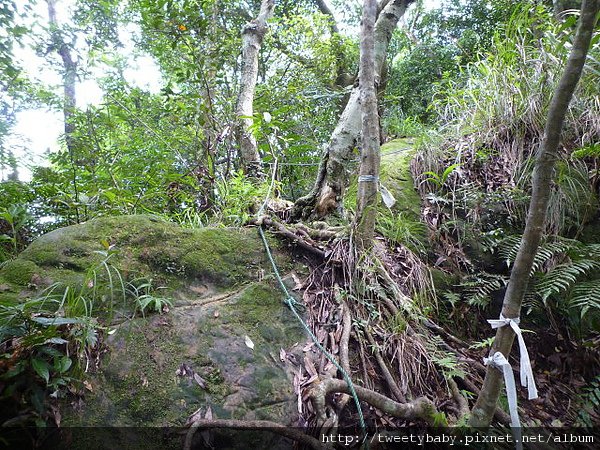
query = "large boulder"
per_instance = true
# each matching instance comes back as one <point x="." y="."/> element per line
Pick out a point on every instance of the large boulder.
<point x="217" y="346"/>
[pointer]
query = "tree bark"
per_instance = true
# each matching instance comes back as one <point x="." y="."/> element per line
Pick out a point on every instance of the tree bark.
<point x="69" y="98"/>
<point x="483" y="411"/>
<point x="334" y="171"/>
<point x="253" y="34"/>
<point x="368" y="180"/>
<point x="326" y="10"/>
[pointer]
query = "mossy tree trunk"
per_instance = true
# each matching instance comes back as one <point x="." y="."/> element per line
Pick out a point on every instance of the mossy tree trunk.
<point x="368" y="180"/>
<point x="483" y="411"/>
<point x="253" y="34"/>
<point x="334" y="171"/>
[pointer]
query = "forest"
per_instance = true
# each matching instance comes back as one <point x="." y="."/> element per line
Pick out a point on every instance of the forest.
<point x="328" y="224"/>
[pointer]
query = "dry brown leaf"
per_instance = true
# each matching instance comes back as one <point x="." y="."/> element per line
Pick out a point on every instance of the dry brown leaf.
<point x="201" y="382"/>
<point x="310" y="367"/>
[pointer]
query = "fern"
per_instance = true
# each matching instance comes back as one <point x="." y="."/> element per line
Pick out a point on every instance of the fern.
<point x="477" y="289"/>
<point x="565" y="271"/>
<point x="564" y="276"/>
<point x="586" y="297"/>
<point x="590" y="405"/>
<point x="445" y="360"/>
<point x="547" y="251"/>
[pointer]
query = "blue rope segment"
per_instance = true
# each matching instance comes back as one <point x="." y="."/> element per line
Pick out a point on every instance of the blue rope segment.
<point x="293" y="304"/>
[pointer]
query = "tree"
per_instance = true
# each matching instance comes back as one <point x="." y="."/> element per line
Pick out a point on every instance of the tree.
<point x="368" y="180"/>
<point x="253" y="34"/>
<point x="59" y="45"/>
<point x="483" y="410"/>
<point x="334" y="170"/>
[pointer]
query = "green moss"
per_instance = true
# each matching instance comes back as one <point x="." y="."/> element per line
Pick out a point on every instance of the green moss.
<point x="258" y="302"/>
<point x="148" y="247"/>
<point x="19" y="271"/>
<point x="396" y="177"/>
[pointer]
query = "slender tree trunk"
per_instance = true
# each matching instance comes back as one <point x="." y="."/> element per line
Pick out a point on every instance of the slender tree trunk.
<point x="253" y="34"/>
<point x="326" y="10"/>
<point x="483" y="410"/>
<point x="368" y="180"/>
<point x="69" y="99"/>
<point x="335" y="167"/>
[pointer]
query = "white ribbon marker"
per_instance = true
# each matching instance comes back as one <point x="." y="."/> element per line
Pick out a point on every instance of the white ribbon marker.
<point x="499" y="362"/>
<point x="525" y="371"/>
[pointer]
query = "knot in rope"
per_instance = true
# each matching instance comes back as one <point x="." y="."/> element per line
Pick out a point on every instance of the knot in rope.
<point x="525" y="370"/>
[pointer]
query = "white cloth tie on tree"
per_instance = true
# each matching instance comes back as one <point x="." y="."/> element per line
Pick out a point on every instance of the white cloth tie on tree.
<point x="367" y="179"/>
<point x="500" y="362"/>
<point x="525" y="371"/>
<point x="386" y="195"/>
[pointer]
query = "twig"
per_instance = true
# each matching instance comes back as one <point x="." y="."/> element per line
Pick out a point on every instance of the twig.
<point x="389" y="379"/>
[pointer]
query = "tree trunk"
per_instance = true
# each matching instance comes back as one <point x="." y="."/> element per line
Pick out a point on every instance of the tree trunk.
<point x="368" y="180"/>
<point x="253" y="34"/>
<point x="334" y="171"/>
<point x="69" y="99"/>
<point x="483" y="410"/>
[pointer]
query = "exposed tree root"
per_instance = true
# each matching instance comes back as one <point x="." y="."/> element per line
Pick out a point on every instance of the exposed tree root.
<point x="360" y="309"/>
<point x="264" y="425"/>
<point x="461" y="401"/>
<point x="421" y="408"/>
<point x="305" y="243"/>
<point x="389" y="379"/>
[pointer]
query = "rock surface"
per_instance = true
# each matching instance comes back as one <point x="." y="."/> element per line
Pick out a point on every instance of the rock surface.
<point x="218" y="346"/>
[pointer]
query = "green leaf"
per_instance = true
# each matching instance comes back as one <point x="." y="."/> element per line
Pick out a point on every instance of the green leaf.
<point x="41" y="368"/>
<point x="63" y="364"/>
<point x="56" y="321"/>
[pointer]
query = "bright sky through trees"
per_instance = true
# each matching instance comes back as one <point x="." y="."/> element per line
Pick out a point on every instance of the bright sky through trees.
<point x="38" y="130"/>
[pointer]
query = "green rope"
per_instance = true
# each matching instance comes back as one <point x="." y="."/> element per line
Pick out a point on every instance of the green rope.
<point x="293" y="304"/>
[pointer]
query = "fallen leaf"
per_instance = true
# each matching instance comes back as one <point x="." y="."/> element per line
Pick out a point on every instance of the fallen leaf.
<point x="248" y="342"/>
<point x="201" y="382"/>
<point x="297" y="283"/>
<point x="88" y="386"/>
<point x="197" y="415"/>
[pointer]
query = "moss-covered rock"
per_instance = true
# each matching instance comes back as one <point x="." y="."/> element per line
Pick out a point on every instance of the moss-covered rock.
<point x="396" y="157"/>
<point x="150" y="376"/>
<point x="145" y="245"/>
<point x="402" y="222"/>
<point x="159" y="369"/>
<point x="19" y="271"/>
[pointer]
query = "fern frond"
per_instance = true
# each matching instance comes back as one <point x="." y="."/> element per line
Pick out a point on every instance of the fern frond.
<point x="564" y="276"/>
<point x="551" y="249"/>
<point x="586" y="297"/>
<point x="477" y="289"/>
